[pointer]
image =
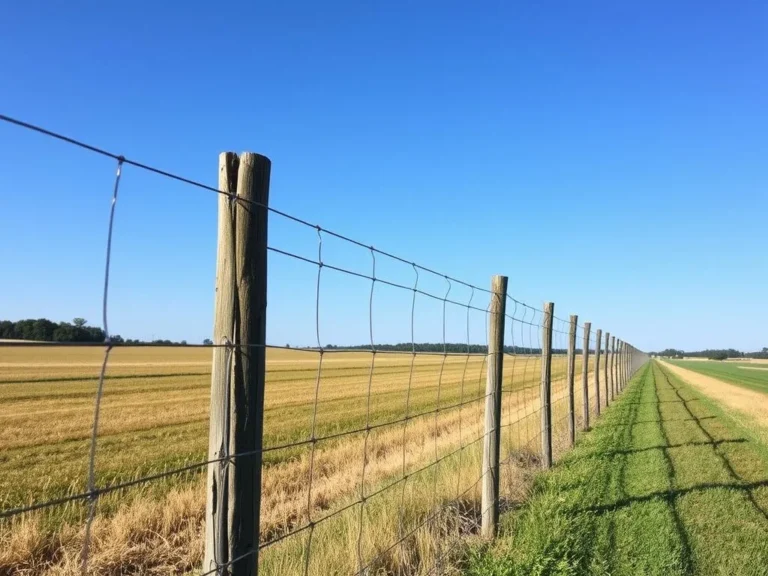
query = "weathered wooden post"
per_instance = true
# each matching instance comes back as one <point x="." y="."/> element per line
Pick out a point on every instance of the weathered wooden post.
<point x="233" y="497"/>
<point x="613" y="368"/>
<point x="546" y="384"/>
<point x="585" y="373"/>
<point x="622" y="366"/>
<point x="571" y="376"/>
<point x="492" y="438"/>
<point x="607" y="362"/>
<point x="598" y="343"/>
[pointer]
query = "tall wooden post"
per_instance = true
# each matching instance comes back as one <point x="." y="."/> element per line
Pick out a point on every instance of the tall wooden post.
<point x="571" y="374"/>
<point x="598" y="344"/>
<point x="613" y="368"/>
<point x="546" y="384"/>
<point x="620" y="368"/>
<point x="607" y="362"/>
<point x="492" y="438"/>
<point x="233" y="496"/>
<point x="585" y="373"/>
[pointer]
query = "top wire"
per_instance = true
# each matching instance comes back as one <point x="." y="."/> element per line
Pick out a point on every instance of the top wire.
<point x="142" y="166"/>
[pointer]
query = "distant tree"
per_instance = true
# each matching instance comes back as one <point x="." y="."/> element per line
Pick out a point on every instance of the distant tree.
<point x="719" y="355"/>
<point x="207" y="342"/>
<point x="116" y="339"/>
<point x="287" y="345"/>
<point x="183" y="342"/>
<point x="79" y="322"/>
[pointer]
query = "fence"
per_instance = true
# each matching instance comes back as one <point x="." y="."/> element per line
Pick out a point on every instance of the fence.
<point x="357" y="460"/>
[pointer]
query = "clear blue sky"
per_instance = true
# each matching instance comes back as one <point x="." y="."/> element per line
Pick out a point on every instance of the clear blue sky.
<point x="609" y="156"/>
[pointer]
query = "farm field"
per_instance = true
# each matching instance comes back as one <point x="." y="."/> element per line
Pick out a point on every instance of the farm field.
<point x="752" y="375"/>
<point x="154" y="418"/>
<point x="668" y="483"/>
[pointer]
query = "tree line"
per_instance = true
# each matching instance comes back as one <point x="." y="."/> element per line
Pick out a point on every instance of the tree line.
<point x="77" y="331"/>
<point x="439" y="348"/>
<point x="716" y="354"/>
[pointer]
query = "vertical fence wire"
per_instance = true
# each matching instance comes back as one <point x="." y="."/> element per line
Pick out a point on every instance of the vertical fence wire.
<point x="433" y="491"/>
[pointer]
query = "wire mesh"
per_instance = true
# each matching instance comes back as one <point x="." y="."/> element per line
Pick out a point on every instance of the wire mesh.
<point x="372" y="453"/>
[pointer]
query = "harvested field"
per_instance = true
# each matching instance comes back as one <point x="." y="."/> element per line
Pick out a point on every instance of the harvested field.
<point x="155" y="418"/>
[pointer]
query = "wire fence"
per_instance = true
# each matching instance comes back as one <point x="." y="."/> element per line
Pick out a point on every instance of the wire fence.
<point x="370" y="458"/>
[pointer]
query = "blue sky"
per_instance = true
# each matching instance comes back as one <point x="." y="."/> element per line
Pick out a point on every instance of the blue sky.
<point x="608" y="156"/>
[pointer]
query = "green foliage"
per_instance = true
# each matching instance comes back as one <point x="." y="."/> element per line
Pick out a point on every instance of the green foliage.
<point x="44" y="330"/>
<point x="438" y="348"/>
<point x="715" y="354"/>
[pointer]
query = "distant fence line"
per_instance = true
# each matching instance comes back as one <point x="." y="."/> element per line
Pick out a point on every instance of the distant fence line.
<point x="527" y="375"/>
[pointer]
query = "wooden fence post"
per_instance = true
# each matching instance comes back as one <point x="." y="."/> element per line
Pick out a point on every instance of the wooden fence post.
<point x="571" y="377"/>
<point x="628" y="367"/>
<point x="585" y="373"/>
<point x="492" y="438"/>
<point x="623" y="366"/>
<point x="605" y="367"/>
<point x="613" y="368"/>
<point x="233" y="496"/>
<point x="546" y="384"/>
<point x="598" y="343"/>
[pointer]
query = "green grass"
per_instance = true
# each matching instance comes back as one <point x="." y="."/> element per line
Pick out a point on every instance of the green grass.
<point x="666" y="484"/>
<point x="752" y="376"/>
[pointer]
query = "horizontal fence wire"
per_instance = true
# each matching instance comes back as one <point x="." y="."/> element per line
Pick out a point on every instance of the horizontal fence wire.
<point x="422" y="456"/>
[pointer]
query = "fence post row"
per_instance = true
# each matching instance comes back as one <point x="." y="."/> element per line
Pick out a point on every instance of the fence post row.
<point x="585" y="373"/>
<point x="233" y="489"/>
<point x="571" y="376"/>
<point x="598" y="340"/>
<point x="492" y="438"/>
<point x="546" y="384"/>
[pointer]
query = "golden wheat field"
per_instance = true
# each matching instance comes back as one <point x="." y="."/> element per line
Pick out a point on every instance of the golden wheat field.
<point x="154" y="418"/>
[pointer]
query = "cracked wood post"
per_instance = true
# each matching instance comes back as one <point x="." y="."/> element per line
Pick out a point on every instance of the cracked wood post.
<point x="585" y="373"/>
<point x="571" y="376"/>
<point x="546" y="384"/>
<point x="492" y="437"/>
<point x="233" y="494"/>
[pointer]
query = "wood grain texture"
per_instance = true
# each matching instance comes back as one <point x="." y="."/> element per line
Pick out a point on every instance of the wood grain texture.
<point x="546" y="384"/>
<point x="570" y="375"/>
<point x="492" y="438"/>
<point x="585" y="373"/>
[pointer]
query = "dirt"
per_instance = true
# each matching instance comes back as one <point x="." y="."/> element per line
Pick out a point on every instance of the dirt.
<point x="750" y="402"/>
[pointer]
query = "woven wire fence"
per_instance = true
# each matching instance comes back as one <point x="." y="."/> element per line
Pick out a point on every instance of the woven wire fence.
<point x="372" y="454"/>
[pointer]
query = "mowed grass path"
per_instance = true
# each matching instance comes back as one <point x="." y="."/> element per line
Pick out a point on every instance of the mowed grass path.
<point x="753" y="376"/>
<point x="666" y="484"/>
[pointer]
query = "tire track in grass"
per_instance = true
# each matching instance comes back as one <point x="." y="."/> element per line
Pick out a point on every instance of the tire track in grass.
<point x="671" y="497"/>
